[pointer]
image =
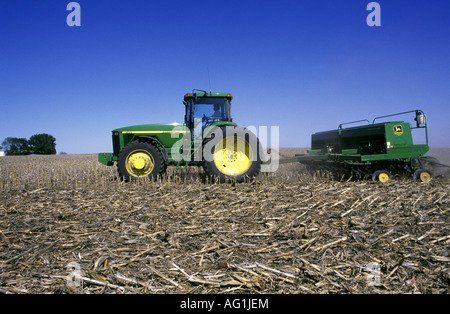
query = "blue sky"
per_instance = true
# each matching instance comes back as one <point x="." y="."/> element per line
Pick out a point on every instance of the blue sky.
<point x="302" y="65"/>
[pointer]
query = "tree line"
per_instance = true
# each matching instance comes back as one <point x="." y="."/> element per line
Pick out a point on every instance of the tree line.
<point x="42" y="144"/>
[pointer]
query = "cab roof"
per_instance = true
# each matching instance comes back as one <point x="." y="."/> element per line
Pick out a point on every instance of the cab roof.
<point x="206" y="94"/>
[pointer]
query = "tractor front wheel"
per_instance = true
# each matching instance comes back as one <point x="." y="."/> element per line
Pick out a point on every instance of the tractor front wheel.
<point x="140" y="160"/>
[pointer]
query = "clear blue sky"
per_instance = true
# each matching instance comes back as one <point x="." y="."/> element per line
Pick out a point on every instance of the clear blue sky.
<point x="302" y="65"/>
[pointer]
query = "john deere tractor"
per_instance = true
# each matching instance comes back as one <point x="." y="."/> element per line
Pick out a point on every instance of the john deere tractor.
<point x="208" y="138"/>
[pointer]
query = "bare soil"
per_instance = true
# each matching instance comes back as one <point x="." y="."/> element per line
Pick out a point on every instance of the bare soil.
<point x="286" y="232"/>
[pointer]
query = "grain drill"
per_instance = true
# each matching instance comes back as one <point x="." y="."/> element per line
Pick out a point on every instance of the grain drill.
<point x="377" y="150"/>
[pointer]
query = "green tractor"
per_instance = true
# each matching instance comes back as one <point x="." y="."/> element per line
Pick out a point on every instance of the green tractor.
<point x="208" y="138"/>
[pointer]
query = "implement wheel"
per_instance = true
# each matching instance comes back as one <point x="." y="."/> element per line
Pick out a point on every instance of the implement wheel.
<point x="381" y="175"/>
<point x="422" y="175"/>
<point x="232" y="153"/>
<point x="140" y="160"/>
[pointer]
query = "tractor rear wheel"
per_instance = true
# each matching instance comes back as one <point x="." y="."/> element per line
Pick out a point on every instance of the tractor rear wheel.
<point x="140" y="160"/>
<point x="232" y="154"/>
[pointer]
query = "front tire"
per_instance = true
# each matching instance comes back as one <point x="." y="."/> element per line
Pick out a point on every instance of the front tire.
<point x="140" y="160"/>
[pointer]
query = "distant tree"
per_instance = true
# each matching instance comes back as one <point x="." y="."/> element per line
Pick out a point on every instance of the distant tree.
<point x="43" y="144"/>
<point x="16" y="146"/>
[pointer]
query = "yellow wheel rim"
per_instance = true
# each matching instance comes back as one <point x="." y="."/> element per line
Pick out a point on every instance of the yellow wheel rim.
<point x="233" y="157"/>
<point x="140" y="163"/>
<point x="383" y="177"/>
<point x="425" y="176"/>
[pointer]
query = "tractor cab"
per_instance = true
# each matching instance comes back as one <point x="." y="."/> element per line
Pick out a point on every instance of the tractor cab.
<point x="205" y="109"/>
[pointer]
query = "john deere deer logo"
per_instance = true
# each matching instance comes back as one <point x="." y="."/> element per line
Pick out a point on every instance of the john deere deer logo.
<point x="398" y="129"/>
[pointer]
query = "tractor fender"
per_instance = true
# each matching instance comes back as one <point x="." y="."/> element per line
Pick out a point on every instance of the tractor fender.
<point x="157" y="143"/>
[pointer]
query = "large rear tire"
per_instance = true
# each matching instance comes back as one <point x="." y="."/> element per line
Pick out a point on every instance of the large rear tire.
<point x="140" y="160"/>
<point x="232" y="153"/>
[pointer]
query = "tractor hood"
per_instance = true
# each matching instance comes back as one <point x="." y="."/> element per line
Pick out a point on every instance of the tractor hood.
<point x="159" y="128"/>
<point x="164" y="134"/>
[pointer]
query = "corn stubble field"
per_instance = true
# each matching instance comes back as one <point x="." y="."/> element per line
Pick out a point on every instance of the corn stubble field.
<point x="67" y="225"/>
